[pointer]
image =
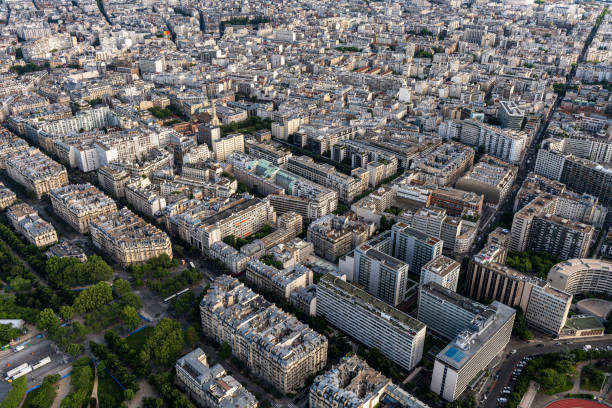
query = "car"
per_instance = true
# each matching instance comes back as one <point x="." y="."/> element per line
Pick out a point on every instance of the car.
<point x="540" y="345"/>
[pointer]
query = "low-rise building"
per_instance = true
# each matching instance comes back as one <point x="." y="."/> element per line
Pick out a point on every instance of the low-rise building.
<point x="26" y="222"/>
<point x="211" y="387"/>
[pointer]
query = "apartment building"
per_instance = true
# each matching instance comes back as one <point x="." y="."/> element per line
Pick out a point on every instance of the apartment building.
<point x="287" y="191"/>
<point x="10" y="145"/>
<point x="277" y="155"/>
<point x="548" y="308"/>
<point x="446" y="163"/>
<point x="26" y="222"/>
<point x="223" y="146"/>
<point x="113" y="180"/>
<point x="351" y="383"/>
<point x="504" y="144"/>
<point x="241" y="219"/>
<point x="560" y="236"/>
<point x="446" y="312"/>
<point x="510" y="115"/>
<point x="490" y="177"/>
<point x="36" y="172"/>
<point x="380" y="274"/>
<point x="79" y="204"/>
<point x="414" y="247"/>
<point x="472" y="351"/>
<point x="576" y="276"/>
<point x="234" y="260"/>
<point x="283" y="282"/>
<point x="545" y="307"/>
<point x="537" y="227"/>
<point x="274" y="345"/>
<point x="128" y="238"/>
<point x="579" y="175"/>
<point x="144" y="198"/>
<point x="211" y="387"/>
<point x="457" y="203"/>
<point x="371" y="321"/>
<point x="7" y="197"/>
<point x="334" y="235"/>
<point x="347" y="187"/>
<point x="457" y="235"/>
<point x="441" y="270"/>
<point x="292" y="252"/>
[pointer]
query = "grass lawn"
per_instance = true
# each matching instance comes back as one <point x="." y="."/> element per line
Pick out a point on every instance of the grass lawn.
<point x="137" y="340"/>
<point x="110" y="394"/>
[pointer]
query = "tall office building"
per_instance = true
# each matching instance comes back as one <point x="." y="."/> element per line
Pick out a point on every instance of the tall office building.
<point x="472" y="350"/>
<point x="380" y="274"/>
<point x="371" y="321"/>
<point x="414" y="247"/>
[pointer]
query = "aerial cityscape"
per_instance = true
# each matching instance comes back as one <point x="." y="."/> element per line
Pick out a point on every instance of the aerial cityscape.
<point x="293" y="204"/>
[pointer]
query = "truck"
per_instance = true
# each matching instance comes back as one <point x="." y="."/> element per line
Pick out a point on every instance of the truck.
<point x="19" y="348"/>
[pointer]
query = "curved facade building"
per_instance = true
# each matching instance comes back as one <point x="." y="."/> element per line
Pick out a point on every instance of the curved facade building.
<point x="582" y="275"/>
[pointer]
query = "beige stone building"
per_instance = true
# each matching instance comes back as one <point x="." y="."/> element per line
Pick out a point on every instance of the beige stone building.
<point x="128" y="238"/>
<point x="79" y="204"/>
<point x="36" y="172"/>
<point x="274" y="345"/>
<point x="7" y="197"/>
<point x="26" y="222"/>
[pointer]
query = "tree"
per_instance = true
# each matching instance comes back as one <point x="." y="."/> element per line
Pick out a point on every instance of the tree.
<point x="16" y="393"/>
<point x="93" y="297"/>
<point x="128" y="394"/>
<point x="226" y="351"/>
<point x="66" y="312"/>
<point x="166" y="341"/>
<point x="191" y="336"/>
<point x="74" y="349"/>
<point x="47" y="320"/>
<point x="130" y="318"/>
<point x="8" y="333"/>
<point x="121" y="287"/>
<point x="44" y="396"/>
<point x="184" y="303"/>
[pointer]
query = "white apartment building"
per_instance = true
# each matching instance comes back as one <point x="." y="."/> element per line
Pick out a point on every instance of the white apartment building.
<point x="441" y="270"/>
<point x="547" y="308"/>
<point x="371" y="321"/>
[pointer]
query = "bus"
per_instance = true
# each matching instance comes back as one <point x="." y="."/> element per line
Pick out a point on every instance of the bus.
<point x="18" y="372"/>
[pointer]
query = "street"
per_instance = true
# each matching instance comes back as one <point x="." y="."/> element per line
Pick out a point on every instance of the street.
<point x="36" y="350"/>
<point x="524" y="349"/>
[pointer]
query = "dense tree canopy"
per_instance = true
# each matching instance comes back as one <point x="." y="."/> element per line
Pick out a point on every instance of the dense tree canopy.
<point x="93" y="297"/>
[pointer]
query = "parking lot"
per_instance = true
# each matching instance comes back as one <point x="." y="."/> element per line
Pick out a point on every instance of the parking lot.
<point x="33" y="353"/>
